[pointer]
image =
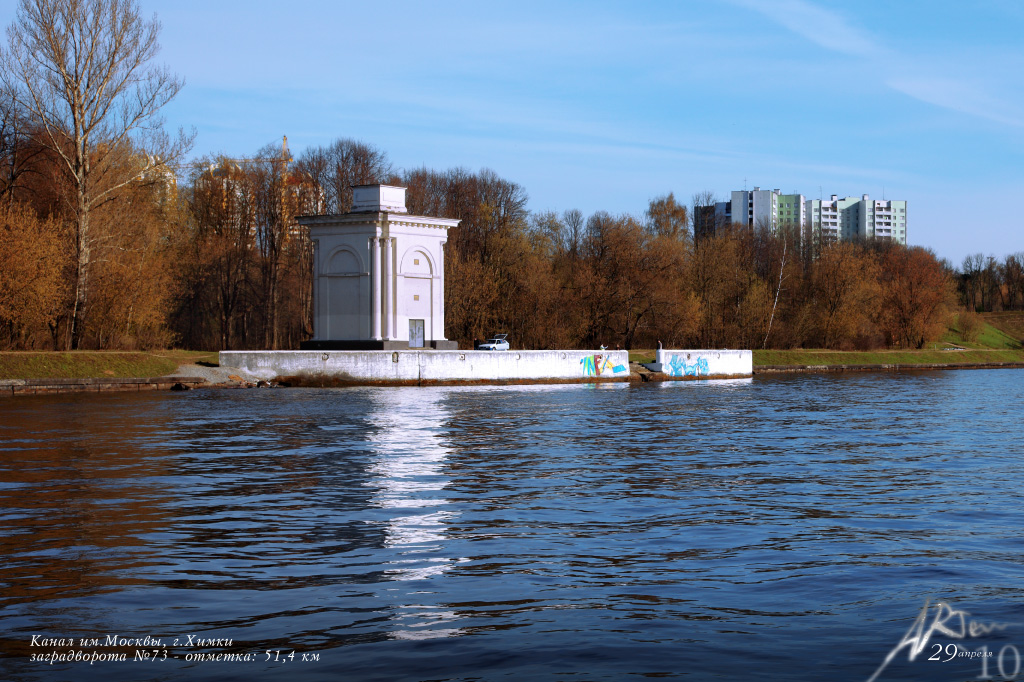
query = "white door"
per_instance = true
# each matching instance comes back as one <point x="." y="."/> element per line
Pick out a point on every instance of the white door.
<point x="415" y="333"/>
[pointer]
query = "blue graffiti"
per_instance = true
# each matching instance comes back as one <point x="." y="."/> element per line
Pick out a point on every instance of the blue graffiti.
<point x="677" y="367"/>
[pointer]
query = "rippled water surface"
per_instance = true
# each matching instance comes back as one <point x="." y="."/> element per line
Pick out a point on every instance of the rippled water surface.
<point x="771" y="529"/>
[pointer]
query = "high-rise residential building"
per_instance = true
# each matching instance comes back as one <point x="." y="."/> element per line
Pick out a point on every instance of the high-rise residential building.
<point x="853" y="218"/>
<point x="792" y="211"/>
<point x="828" y="220"/>
<point x="762" y="208"/>
<point x="705" y="221"/>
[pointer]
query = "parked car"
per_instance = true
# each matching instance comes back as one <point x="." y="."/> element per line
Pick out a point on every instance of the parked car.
<point x="499" y="342"/>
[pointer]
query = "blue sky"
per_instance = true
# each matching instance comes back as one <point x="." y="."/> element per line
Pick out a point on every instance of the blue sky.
<point x="603" y="106"/>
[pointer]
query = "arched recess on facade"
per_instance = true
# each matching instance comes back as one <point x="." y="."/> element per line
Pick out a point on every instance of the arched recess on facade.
<point x="418" y="290"/>
<point x="416" y="261"/>
<point x="344" y="261"/>
<point x="347" y="295"/>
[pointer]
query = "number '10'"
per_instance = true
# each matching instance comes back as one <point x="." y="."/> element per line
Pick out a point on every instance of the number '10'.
<point x="1000" y="663"/>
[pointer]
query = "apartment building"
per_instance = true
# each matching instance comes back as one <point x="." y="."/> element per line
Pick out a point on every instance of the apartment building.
<point x="852" y="218"/>
<point x="792" y="211"/>
<point x="762" y="208"/>
<point x="828" y="220"/>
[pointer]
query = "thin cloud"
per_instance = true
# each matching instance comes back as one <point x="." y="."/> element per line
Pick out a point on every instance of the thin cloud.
<point x="818" y="25"/>
<point x="957" y="95"/>
<point x="904" y="74"/>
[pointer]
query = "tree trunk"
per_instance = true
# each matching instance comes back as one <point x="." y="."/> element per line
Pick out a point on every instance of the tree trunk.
<point x="82" y="271"/>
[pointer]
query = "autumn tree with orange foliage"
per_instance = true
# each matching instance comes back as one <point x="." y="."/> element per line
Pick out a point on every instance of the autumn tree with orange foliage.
<point x="845" y="297"/>
<point x="489" y="257"/>
<point x="81" y="72"/>
<point x="221" y="263"/>
<point x="918" y="297"/>
<point x="717" y="278"/>
<point x="32" y="254"/>
<point x="627" y="282"/>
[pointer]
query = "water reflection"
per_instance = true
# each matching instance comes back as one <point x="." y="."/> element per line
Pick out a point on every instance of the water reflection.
<point x="697" y="383"/>
<point x="79" y="498"/>
<point x="607" y="533"/>
<point x="408" y="478"/>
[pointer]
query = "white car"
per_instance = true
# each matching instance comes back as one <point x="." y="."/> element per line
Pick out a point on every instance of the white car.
<point x="497" y="343"/>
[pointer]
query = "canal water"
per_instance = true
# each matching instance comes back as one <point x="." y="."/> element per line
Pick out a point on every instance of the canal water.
<point x="789" y="528"/>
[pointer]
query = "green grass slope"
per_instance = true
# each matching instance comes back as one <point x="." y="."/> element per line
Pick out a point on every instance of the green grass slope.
<point x="96" y="364"/>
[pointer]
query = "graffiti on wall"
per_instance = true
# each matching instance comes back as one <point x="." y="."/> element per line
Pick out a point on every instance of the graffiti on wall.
<point x="677" y="367"/>
<point x="596" y="365"/>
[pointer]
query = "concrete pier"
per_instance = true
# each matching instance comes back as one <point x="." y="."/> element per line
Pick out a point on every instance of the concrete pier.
<point x="704" y="363"/>
<point x="411" y="367"/>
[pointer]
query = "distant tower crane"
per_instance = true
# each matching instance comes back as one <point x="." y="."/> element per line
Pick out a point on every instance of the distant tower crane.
<point x="281" y="163"/>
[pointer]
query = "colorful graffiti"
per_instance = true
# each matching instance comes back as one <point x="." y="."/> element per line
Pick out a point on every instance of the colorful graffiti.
<point x="595" y="365"/>
<point x="677" y="367"/>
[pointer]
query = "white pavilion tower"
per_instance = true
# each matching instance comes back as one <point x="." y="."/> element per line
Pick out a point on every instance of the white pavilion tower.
<point x="378" y="275"/>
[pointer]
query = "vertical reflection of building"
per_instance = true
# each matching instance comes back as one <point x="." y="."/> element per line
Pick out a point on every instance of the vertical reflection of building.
<point x="408" y="473"/>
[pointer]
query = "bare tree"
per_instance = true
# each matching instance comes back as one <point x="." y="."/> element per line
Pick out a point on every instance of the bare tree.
<point x="973" y="266"/>
<point x="18" y="153"/>
<point x="573" y="219"/>
<point x="81" y="71"/>
<point x="340" y="165"/>
<point x="1012" y="272"/>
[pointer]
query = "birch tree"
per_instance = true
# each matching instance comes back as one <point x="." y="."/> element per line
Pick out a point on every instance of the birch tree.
<point x="81" y="70"/>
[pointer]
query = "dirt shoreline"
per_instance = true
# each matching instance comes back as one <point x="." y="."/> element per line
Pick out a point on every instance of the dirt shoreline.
<point x="188" y="377"/>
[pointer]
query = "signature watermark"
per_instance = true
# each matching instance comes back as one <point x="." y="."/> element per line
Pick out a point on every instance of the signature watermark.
<point x="955" y="624"/>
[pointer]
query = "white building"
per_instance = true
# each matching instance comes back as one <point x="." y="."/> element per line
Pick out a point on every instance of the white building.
<point x="762" y="208"/>
<point x="853" y="218"/>
<point x="378" y="275"/>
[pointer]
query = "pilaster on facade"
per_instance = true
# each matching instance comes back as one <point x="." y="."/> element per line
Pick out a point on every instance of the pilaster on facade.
<point x="386" y="286"/>
<point x="375" y="279"/>
<point x="316" y="285"/>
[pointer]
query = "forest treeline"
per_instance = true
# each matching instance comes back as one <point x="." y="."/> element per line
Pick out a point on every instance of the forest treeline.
<point x="109" y="241"/>
<point x="215" y="260"/>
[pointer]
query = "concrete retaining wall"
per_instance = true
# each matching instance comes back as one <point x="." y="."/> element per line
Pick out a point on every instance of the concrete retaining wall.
<point x="428" y="366"/>
<point x="705" y="363"/>
<point x="17" y="387"/>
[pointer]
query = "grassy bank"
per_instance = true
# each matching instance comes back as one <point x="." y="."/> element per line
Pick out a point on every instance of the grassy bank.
<point x="96" y="364"/>
<point x="998" y="340"/>
<point x="1009" y="325"/>
<point x="881" y="357"/>
<point x="894" y="357"/>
